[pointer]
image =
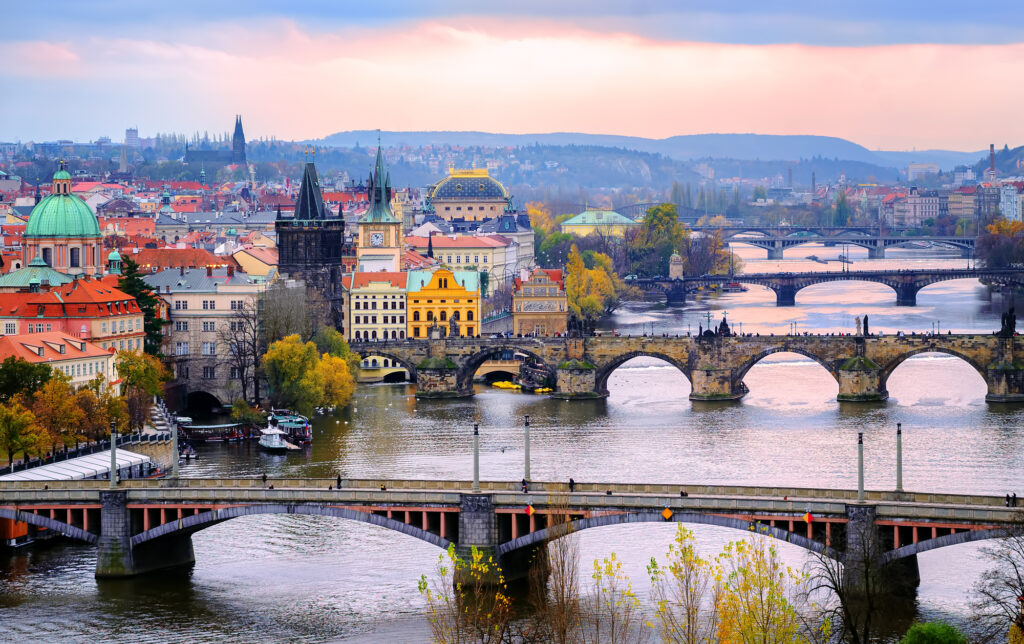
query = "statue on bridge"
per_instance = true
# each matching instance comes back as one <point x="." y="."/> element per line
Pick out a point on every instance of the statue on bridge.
<point x="1009" y="324"/>
<point x="722" y="331"/>
<point x="858" y="325"/>
<point x="866" y="332"/>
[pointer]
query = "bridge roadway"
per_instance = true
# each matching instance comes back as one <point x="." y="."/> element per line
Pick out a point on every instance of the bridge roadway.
<point x="776" y="239"/>
<point x="906" y="283"/>
<point x="146" y="525"/>
<point x="715" y="366"/>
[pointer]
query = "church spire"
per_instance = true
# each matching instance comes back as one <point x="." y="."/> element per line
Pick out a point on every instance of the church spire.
<point x="310" y="203"/>
<point x="380" y="193"/>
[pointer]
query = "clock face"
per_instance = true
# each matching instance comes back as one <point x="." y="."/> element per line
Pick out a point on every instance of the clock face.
<point x="377" y="239"/>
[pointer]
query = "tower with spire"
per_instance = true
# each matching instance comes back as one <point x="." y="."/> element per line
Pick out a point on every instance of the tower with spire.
<point x="380" y="232"/>
<point x="238" y="143"/>
<point x="309" y="245"/>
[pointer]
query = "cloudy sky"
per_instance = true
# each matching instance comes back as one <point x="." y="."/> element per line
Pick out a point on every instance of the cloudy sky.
<point x="888" y="74"/>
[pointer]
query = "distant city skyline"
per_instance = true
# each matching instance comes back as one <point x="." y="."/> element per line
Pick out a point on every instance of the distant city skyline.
<point x="885" y="75"/>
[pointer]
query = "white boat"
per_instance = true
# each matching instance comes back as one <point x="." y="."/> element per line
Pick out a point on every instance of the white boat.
<point x="272" y="440"/>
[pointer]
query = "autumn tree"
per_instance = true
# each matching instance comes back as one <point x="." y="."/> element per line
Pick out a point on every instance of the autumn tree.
<point x="651" y="244"/>
<point x="286" y="310"/>
<point x="995" y="596"/>
<point x="328" y="340"/>
<point x="466" y="599"/>
<point x="612" y="612"/>
<point x="131" y="282"/>
<point x="302" y="379"/>
<point x="685" y="589"/>
<point x="19" y="377"/>
<point x="142" y="377"/>
<point x="56" y="411"/>
<point x="100" y="406"/>
<point x="19" y="432"/>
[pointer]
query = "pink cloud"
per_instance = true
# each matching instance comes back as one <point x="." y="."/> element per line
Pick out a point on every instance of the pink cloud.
<point x="519" y="76"/>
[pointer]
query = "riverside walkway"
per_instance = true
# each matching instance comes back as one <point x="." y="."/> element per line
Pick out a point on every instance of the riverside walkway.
<point x="145" y="525"/>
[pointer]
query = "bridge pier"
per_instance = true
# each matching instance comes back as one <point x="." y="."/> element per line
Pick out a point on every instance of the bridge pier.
<point x="876" y="252"/>
<point x="716" y="384"/>
<point x="1005" y="383"/>
<point x="906" y="294"/>
<point x="478" y="528"/>
<point x="775" y="252"/>
<point x="785" y="295"/>
<point x="439" y="378"/>
<point x="676" y="296"/>
<point x="861" y="380"/>
<point x="863" y="570"/>
<point x="117" y="558"/>
<point x="577" y="379"/>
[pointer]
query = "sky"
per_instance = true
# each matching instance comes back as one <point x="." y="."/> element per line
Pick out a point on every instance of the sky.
<point x="892" y="75"/>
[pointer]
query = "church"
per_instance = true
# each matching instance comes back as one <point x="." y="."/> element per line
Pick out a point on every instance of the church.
<point x="381" y="244"/>
<point x="234" y="156"/>
<point x="63" y="232"/>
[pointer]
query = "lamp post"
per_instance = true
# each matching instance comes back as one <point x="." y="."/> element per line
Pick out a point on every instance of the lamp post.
<point x="476" y="457"/>
<point x="174" y="449"/>
<point x="526" y="468"/>
<point x="899" y="457"/>
<point x="860" y="466"/>
<point x="113" y="454"/>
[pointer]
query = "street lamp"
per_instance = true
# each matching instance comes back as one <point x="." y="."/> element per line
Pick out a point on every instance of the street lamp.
<point x="476" y="457"/>
<point x="526" y="468"/>
<point x="113" y="453"/>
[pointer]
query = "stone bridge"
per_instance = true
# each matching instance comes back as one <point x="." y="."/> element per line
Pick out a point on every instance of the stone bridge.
<point x="146" y="525"/>
<point x="715" y="366"/>
<point x="777" y="244"/>
<point x="906" y="283"/>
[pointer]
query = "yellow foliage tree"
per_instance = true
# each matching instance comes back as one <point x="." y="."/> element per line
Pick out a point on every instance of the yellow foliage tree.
<point x="684" y="590"/>
<point x="339" y="385"/>
<point x="592" y="292"/>
<point x="19" y="432"/>
<point x="57" y="411"/>
<point x="466" y="600"/>
<point x="300" y="378"/>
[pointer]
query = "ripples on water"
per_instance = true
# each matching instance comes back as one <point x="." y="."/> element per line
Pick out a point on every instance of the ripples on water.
<point x="290" y="579"/>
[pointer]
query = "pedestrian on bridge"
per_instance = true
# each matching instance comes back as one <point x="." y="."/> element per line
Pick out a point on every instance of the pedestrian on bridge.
<point x="572" y="485"/>
<point x="339" y="482"/>
<point x="525" y="488"/>
<point x="264" y="479"/>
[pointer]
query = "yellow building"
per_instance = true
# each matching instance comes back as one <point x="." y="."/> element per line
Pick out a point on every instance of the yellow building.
<point x="603" y="222"/>
<point x="441" y="297"/>
<point x="539" y="304"/>
<point x="255" y="261"/>
<point x="472" y="195"/>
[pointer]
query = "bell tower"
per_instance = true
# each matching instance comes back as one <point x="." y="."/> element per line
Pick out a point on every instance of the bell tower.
<point x="380" y="232"/>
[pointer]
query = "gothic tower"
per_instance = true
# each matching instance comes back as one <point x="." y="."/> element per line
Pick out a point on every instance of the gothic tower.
<point x="238" y="143"/>
<point x="309" y="245"/>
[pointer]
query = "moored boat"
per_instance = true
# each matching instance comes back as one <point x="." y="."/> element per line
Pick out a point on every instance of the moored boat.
<point x="272" y="440"/>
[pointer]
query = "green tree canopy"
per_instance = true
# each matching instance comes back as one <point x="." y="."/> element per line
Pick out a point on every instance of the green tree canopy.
<point x="933" y="633"/>
<point x="18" y="376"/>
<point x="131" y="282"/>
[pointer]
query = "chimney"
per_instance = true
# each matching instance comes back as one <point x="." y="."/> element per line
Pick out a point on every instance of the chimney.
<point x="181" y="270"/>
<point x="231" y="270"/>
<point x="209" y="271"/>
<point x="992" y="157"/>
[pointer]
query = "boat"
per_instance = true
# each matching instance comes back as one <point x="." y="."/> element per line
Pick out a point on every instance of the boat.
<point x="735" y="287"/>
<point x="296" y="426"/>
<point x="272" y="440"/>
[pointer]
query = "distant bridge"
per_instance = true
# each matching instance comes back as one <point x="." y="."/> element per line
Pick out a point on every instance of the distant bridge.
<point x="146" y="525"/>
<point x="906" y="283"/>
<point x="715" y="366"/>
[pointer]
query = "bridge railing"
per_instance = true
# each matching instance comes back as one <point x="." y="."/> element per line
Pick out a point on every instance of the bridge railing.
<point x="537" y="489"/>
<point x="84" y="450"/>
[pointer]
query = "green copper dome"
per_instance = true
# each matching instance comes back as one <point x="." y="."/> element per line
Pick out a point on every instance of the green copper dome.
<point x="114" y="255"/>
<point x="61" y="174"/>
<point x="62" y="215"/>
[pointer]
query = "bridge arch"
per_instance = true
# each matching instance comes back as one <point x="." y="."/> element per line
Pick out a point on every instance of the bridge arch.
<point x="604" y="371"/>
<point x="742" y="370"/>
<point x="50" y="524"/>
<point x="554" y="532"/>
<point x="889" y="368"/>
<point x="469" y="365"/>
<point x="370" y="350"/>
<point x="943" y="541"/>
<point x="197" y="522"/>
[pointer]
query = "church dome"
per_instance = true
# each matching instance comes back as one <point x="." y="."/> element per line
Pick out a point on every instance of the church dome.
<point x="62" y="214"/>
<point x="468" y="185"/>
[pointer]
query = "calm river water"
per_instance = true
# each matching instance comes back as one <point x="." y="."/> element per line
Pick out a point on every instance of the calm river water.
<point x="291" y="579"/>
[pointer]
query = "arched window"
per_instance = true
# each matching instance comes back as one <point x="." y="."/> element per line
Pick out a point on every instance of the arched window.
<point x="415" y="316"/>
<point x="455" y="315"/>
<point x="394" y="335"/>
<point x="401" y="334"/>
<point x="430" y="316"/>
<point x="373" y="335"/>
<point x="373" y="363"/>
<point x="444" y="316"/>
<point x="359" y="335"/>
<point x="469" y="316"/>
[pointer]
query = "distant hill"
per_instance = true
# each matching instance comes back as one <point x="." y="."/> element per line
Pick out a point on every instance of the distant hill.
<point x="682" y="148"/>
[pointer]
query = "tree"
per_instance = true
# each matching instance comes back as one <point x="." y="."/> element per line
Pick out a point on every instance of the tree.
<point x="651" y="244"/>
<point x="995" y="594"/>
<point x="466" y="600"/>
<point x="286" y="310"/>
<point x="242" y="336"/>
<point x="19" y="432"/>
<point x="99" y="407"/>
<point x="300" y="378"/>
<point x="57" y="411"/>
<point x="933" y="633"/>
<point x="21" y="377"/>
<point x="241" y="412"/>
<point x="142" y="377"/>
<point x="131" y="282"/>
<point x="613" y="612"/>
<point x="684" y="590"/>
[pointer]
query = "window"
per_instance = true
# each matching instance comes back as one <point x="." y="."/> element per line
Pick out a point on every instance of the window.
<point x="209" y="348"/>
<point x="415" y="316"/>
<point x="373" y="305"/>
<point x="237" y="305"/>
<point x="10" y="328"/>
<point x="209" y="326"/>
<point x="236" y="373"/>
<point x="180" y="305"/>
<point x="469" y="331"/>
<point x="122" y="326"/>
<point x="476" y="259"/>
<point x="469" y="315"/>
<point x="357" y="305"/>
<point x="183" y="372"/>
<point x="415" y="332"/>
<point x="181" y="348"/>
<point x="75" y="258"/>
<point x="103" y="327"/>
<point x="458" y="259"/>
<point x="49" y="327"/>
<point x="209" y="373"/>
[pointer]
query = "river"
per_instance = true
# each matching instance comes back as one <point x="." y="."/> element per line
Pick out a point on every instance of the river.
<point x="310" y="579"/>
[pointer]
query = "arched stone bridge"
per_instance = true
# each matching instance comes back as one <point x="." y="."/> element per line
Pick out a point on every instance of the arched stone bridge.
<point x="906" y="283"/>
<point x="146" y="525"/>
<point x="715" y="367"/>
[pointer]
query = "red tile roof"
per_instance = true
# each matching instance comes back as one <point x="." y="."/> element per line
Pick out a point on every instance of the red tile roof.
<point x="362" y="280"/>
<point x="51" y="346"/>
<point x="161" y="258"/>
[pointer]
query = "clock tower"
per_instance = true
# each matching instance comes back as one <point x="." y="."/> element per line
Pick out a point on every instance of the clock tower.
<point x="380" y="232"/>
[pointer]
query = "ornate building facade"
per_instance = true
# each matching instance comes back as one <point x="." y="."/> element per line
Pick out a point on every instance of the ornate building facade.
<point x="381" y="245"/>
<point x="63" y="231"/>
<point x="309" y="246"/>
<point x="539" y="304"/>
